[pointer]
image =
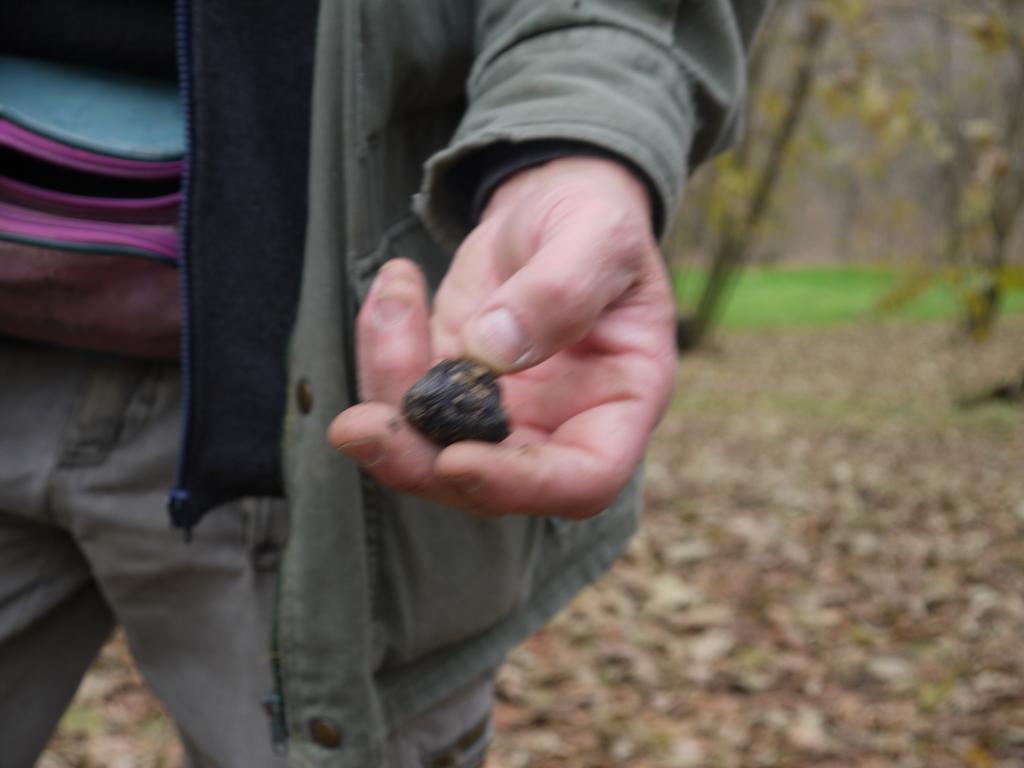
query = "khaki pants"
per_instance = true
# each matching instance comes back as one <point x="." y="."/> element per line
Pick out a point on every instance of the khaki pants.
<point x="87" y="452"/>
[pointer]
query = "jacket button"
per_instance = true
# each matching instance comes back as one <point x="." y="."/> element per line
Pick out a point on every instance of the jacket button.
<point x="304" y="395"/>
<point x="325" y="732"/>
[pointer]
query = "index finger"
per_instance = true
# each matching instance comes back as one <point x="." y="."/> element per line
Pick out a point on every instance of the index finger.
<point x="393" y="333"/>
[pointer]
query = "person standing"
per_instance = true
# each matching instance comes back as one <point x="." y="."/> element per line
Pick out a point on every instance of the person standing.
<point x="441" y="179"/>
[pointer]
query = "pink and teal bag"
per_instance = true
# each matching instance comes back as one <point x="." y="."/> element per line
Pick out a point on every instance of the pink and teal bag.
<point x="90" y="175"/>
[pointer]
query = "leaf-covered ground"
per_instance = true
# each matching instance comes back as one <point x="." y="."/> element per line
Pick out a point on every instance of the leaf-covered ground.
<point x="831" y="573"/>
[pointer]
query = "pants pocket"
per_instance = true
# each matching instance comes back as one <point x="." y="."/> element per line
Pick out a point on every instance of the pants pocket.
<point x="454" y="734"/>
<point x="468" y="751"/>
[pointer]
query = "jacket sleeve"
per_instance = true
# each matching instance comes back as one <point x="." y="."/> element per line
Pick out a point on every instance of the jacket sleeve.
<point x="657" y="83"/>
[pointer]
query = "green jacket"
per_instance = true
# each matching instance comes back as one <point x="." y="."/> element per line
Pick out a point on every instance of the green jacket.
<point x="389" y="603"/>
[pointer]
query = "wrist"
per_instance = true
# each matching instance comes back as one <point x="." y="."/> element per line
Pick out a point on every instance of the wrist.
<point x="571" y="177"/>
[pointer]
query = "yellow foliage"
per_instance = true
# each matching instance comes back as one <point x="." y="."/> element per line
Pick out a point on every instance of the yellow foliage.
<point x="976" y="205"/>
<point x="772" y="105"/>
<point x="850" y="10"/>
<point x="989" y="31"/>
<point x="979" y="757"/>
<point x="734" y="185"/>
<point x="910" y="287"/>
<point x="898" y="129"/>
<point x="875" y="100"/>
<point x="979" y="292"/>
<point x="931" y="136"/>
<point x="981" y="131"/>
<point x="1011" y="279"/>
<point x="836" y="93"/>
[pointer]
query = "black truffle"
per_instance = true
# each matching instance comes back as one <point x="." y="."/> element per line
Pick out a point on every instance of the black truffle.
<point x="457" y="400"/>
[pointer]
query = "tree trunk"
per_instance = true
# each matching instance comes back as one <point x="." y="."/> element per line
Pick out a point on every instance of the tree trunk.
<point x="734" y="246"/>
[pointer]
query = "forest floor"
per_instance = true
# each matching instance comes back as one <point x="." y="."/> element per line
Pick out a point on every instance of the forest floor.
<point x="830" y="574"/>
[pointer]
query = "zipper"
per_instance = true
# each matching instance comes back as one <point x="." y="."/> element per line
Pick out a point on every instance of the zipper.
<point x="179" y="503"/>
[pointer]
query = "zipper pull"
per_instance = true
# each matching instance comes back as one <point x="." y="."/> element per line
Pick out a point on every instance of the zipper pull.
<point x="274" y="707"/>
<point x="178" y="503"/>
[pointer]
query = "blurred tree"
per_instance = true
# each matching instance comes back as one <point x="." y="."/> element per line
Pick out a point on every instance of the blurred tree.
<point x="746" y="180"/>
<point x="984" y="174"/>
<point x="902" y="134"/>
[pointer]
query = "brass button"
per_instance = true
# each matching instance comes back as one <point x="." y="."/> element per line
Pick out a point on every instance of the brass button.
<point x="304" y="395"/>
<point x="325" y="732"/>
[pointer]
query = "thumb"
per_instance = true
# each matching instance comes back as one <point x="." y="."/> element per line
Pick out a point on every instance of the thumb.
<point x="557" y="295"/>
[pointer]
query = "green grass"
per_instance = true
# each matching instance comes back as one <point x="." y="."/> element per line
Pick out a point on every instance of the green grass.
<point x="808" y="296"/>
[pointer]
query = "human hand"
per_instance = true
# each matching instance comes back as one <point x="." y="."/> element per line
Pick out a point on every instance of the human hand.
<point x="560" y="288"/>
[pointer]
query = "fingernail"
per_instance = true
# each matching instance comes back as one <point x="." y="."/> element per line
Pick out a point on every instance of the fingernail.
<point x="367" y="452"/>
<point x="390" y="310"/>
<point x="500" y="338"/>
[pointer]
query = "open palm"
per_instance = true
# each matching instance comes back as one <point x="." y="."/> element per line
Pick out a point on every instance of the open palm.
<point x="561" y="289"/>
